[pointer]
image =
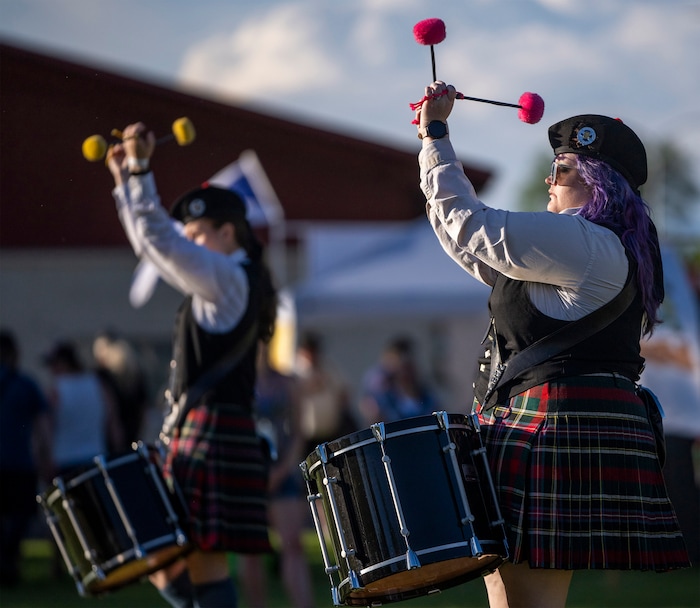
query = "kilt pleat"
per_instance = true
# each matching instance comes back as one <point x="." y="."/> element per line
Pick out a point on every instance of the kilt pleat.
<point x="218" y="462"/>
<point x="578" y="480"/>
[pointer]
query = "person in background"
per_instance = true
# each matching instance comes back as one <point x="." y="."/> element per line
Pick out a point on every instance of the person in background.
<point x="119" y="367"/>
<point x="325" y="399"/>
<point x="25" y="454"/>
<point x="672" y="371"/>
<point x="278" y="418"/>
<point x="206" y="249"/>
<point x="83" y="411"/>
<point x="394" y="389"/>
<point x="570" y="447"/>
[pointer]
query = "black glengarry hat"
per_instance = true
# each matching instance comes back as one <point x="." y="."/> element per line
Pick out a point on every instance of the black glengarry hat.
<point x="607" y="139"/>
<point x="209" y="202"/>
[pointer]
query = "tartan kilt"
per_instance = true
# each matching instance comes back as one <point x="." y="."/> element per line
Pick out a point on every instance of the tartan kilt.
<point x="218" y="461"/>
<point x="577" y="478"/>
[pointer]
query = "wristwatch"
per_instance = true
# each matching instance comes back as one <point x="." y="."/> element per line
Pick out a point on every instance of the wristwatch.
<point x="435" y="129"/>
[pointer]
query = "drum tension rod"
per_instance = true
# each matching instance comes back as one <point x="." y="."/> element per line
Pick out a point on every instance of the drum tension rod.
<point x="121" y="511"/>
<point x="150" y="468"/>
<point x="474" y="420"/>
<point x="53" y="521"/>
<point x="345" y="551"/>
<point x="329" y="568"/>
<point x="379" y="432"/>
<point x="451" y="449"/>
<point x="88" y="553"/>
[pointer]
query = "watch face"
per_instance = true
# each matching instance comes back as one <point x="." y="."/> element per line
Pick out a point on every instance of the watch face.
<point x="437" y="129"/>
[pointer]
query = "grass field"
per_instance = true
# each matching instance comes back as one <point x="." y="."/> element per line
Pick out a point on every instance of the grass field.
<point x="590" y="589"/>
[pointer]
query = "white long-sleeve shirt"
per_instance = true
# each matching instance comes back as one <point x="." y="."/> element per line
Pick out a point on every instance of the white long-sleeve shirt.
<point x="573" y="266"/>
<point x="216" y="281"/>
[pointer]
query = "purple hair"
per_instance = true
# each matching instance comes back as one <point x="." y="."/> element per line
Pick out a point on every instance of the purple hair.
<point x="615" y="205"/>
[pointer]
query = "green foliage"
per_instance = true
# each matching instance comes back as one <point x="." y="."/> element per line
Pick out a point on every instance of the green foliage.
<point x="534" y="195"/>
<point x="672" y="190"/>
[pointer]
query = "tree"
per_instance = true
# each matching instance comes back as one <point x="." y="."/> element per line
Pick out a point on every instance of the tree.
<point x="534" y="193"/>
<point x="671" y="190"/>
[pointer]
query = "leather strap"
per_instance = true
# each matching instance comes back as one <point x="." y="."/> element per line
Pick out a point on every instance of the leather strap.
<point x="560" y="340"/>
<point x="205" y="382"/>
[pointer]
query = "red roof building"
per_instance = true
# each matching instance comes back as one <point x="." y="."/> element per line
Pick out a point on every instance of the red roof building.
<point x="50" y="196"/>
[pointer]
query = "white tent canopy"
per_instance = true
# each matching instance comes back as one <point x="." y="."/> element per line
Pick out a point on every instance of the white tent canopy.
<point x="375" y="271"/>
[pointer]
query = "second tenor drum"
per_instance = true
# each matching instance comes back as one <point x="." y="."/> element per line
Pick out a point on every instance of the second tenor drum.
<point x="404" y="509"/>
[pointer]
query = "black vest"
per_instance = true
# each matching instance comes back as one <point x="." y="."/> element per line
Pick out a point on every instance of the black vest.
<point x="195" y="351"/>
<point x="518" y="324"/>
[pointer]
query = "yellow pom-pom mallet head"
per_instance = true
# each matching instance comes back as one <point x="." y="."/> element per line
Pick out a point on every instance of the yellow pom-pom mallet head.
<point x="94" y="148"/>
<point x="183" y="131"/>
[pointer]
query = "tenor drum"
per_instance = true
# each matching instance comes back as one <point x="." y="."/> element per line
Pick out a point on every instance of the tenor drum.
<point x="404" y="509"/>
<point x="116" y="522"/>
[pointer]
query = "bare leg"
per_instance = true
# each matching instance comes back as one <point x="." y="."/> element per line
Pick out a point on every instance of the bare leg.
<point x="162" y="577"/>
<point x="207" y="567"/>
<point x="252" y="580"/>
<point x="495" y="590"/>
<point x="519" y="586"/>
<point x="287" y="517"/>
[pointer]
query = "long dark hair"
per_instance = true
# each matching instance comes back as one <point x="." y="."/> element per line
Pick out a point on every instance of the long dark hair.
<point x="615" y="205"/>
<point x="268" y="304"/>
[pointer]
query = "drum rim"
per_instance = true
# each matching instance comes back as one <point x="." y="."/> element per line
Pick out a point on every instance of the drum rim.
<point x="427" y="551"/>
<point x="435" y="426"/>
<point x="77" y="479"/>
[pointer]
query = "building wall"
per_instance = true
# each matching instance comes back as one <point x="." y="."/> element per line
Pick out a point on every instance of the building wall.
<point x="48" y="294"/>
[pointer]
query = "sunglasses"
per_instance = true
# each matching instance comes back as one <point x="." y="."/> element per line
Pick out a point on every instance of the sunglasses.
<point x="559" y="170"/>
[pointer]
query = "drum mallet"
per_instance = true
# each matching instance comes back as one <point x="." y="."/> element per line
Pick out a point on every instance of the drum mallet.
<point x="95" y="147"/>
<point x="431" y="32"/>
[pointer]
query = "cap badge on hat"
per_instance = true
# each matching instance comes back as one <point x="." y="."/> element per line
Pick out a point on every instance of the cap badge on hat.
<point x="196" y="207"/>
<point x="586" y="136"/>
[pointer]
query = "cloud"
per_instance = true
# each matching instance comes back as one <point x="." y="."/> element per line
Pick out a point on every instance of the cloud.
<point x="278" y="52"/>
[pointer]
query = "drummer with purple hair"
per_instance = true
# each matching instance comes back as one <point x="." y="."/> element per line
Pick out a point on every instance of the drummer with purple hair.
<point x="571" y="449"/>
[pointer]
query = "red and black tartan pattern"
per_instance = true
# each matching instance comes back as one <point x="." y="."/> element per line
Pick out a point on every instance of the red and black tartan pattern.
<point x="578" y="480"/>
<point x="217" y="459"/>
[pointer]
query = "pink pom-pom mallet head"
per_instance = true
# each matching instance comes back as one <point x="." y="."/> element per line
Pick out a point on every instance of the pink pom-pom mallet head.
<point x="531" y="108"/>
<point x="430" y="32"/>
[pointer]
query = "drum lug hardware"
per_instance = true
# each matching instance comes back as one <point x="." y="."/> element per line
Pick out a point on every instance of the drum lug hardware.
<point x="468" y="518"/>
<point x="172" y="517"/>
<point x="481" y="450"/>
<point x="53" y="523"/>
<point x="345" y="551"/>
<point x="88" y="553"/>
<point x="443" y="420"/>
<point x="126" y="522"/>
<point x="474" y="419"/>
<point x="379" y="432"/>
<point x="322" y="451"/>
<point x="354" y="580"/>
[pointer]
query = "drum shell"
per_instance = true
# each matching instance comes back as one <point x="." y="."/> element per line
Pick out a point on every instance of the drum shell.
<point x="126" y="515"/>
<point x="434" y="512"/>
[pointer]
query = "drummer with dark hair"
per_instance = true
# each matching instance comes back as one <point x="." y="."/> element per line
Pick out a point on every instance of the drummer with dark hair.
<point x="214" y="453"/>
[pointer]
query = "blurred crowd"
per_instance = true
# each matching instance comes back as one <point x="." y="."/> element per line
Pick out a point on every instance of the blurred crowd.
<point x="99" y="402"/>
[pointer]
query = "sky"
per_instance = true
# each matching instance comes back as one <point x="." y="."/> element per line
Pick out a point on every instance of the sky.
<point x="353" y="66"/>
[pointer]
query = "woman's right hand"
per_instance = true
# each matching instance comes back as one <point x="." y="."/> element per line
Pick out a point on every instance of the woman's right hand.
<point x="439" y="103"/>
<point x="137" y="144"/>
